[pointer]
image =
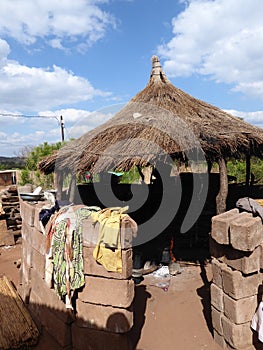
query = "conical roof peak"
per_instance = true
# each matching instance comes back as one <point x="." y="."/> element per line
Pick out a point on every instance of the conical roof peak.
<point x="157" y="74"/>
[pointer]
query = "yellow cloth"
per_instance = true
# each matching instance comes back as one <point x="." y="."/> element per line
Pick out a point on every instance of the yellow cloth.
<point x="108" y="249"/>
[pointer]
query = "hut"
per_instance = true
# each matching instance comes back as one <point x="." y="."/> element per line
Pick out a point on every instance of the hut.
<point x="160" y="125"/>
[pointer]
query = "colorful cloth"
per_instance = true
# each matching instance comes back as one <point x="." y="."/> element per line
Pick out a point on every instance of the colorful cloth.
<point x="66" y="250"/>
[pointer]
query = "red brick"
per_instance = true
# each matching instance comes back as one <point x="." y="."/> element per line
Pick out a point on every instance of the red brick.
<point x="237" y="335"/>
<point x="85" y="338"/>
<point x="107" y="291"/>
<point x="108" y="318"/>
<point x="241" y="310"/>
<point x="91" y="267"/>
<point x="220" y="226"/>
<point x="238" y="286"/>
<point x="246" y="233"/>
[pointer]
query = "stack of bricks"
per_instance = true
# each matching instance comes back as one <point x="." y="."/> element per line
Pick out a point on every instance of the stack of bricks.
<point x="236" y="289"/>
<point x="104" y="311"/>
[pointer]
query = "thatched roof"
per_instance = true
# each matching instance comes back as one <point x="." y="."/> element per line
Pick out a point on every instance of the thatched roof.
<point x="160" y="121"/>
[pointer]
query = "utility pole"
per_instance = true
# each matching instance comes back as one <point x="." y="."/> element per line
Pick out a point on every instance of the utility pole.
<point x="62" y="128"/>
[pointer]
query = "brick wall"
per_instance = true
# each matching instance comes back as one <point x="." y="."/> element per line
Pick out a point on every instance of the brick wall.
<point x="236" y="289"/>
<point x="104" y="307"/>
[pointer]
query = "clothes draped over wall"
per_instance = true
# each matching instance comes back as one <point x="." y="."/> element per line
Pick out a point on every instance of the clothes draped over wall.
<point x="64" y="258"/>
<point x="108" y="249"/>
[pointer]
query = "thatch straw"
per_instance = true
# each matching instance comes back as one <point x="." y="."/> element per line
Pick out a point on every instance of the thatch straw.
<point x="160" y="121"/>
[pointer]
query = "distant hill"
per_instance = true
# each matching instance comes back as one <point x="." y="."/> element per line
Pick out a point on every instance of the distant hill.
<point x="11" y="162"/>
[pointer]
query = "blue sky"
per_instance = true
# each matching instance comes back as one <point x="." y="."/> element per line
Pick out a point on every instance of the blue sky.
<point x="73" y="58"/>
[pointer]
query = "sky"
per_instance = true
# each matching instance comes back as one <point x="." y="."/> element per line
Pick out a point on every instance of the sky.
<point x="84" y="59"/>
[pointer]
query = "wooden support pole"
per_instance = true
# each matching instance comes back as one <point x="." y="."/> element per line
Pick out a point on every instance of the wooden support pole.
<point x="248" y="169"/>
<point x="72" y="188"/>
<point x="223" y="191"/>
<point x="58" y="180"/>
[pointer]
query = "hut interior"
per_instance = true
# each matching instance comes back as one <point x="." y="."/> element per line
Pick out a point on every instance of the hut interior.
<point x="163" y="125"/>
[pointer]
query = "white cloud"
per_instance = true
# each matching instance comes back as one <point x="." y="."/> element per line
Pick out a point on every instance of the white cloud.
<point x="218" y="38"/>
<point x="56" y="22"/>
<point x="31" y="88"/>
<point x="21" y="132"/>
<point x="255" y="118"/>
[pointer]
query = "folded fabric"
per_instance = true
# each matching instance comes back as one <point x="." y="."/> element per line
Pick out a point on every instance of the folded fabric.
<point x="108" y="249"/>
<point x="251" y="206"/>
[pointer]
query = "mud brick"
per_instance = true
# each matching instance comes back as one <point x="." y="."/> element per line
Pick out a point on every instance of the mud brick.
<point x="261" y="255"/>
<point x="91" y="267"/>
<point x="217" y="320"/>
<point x="217" y="297"/>
<point x="238" y="336"/>
<point x="24" y="290"/>
<point x="38" y="262"/>
<point x="38" y="208"/>
<point x="220" y="226"/>
<point x="38" y="241"/>
<point x="26" y="272"/>
<point x="246" y="233"/>
<point x="49" y="319"/>
<point x="26" y="252"/>
<point x="217" y="250"/>
<point x="241" y="310"/>
<point x="27" y="212"/>
<point x="85" y="338"/>
<point x="107" y="291"/>
<point x="48" y="297"/>
<point x="108" y="318"/>
<point x="90" y="232"/>
<point x="246" y="262"/>
<point x="217" y="272"/>
<point x="219" y="339"/>
<point x="238" y="286"/>
<point x="27" y="232"/>
<point x="48" y="342"/>
<point x="6" y="237"/>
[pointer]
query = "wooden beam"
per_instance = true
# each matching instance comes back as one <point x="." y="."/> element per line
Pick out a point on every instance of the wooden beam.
<point x="58" y="180"/>
<point x="72" y="188"/>
<point x="223" y="191"/>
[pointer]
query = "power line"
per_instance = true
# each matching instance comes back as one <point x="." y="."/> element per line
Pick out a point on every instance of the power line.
<point x="59" y="119"/>
<point x="28" y="116"/>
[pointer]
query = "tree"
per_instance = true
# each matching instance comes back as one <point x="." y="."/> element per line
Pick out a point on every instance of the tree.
<point x="31" y="174"/>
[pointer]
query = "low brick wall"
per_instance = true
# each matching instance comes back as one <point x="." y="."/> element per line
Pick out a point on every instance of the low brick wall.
<point x="236" y="289"/>
<point x="104" y="306"/>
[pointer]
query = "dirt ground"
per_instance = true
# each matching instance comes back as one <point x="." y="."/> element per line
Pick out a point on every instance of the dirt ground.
<point x="177" y="318"/>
